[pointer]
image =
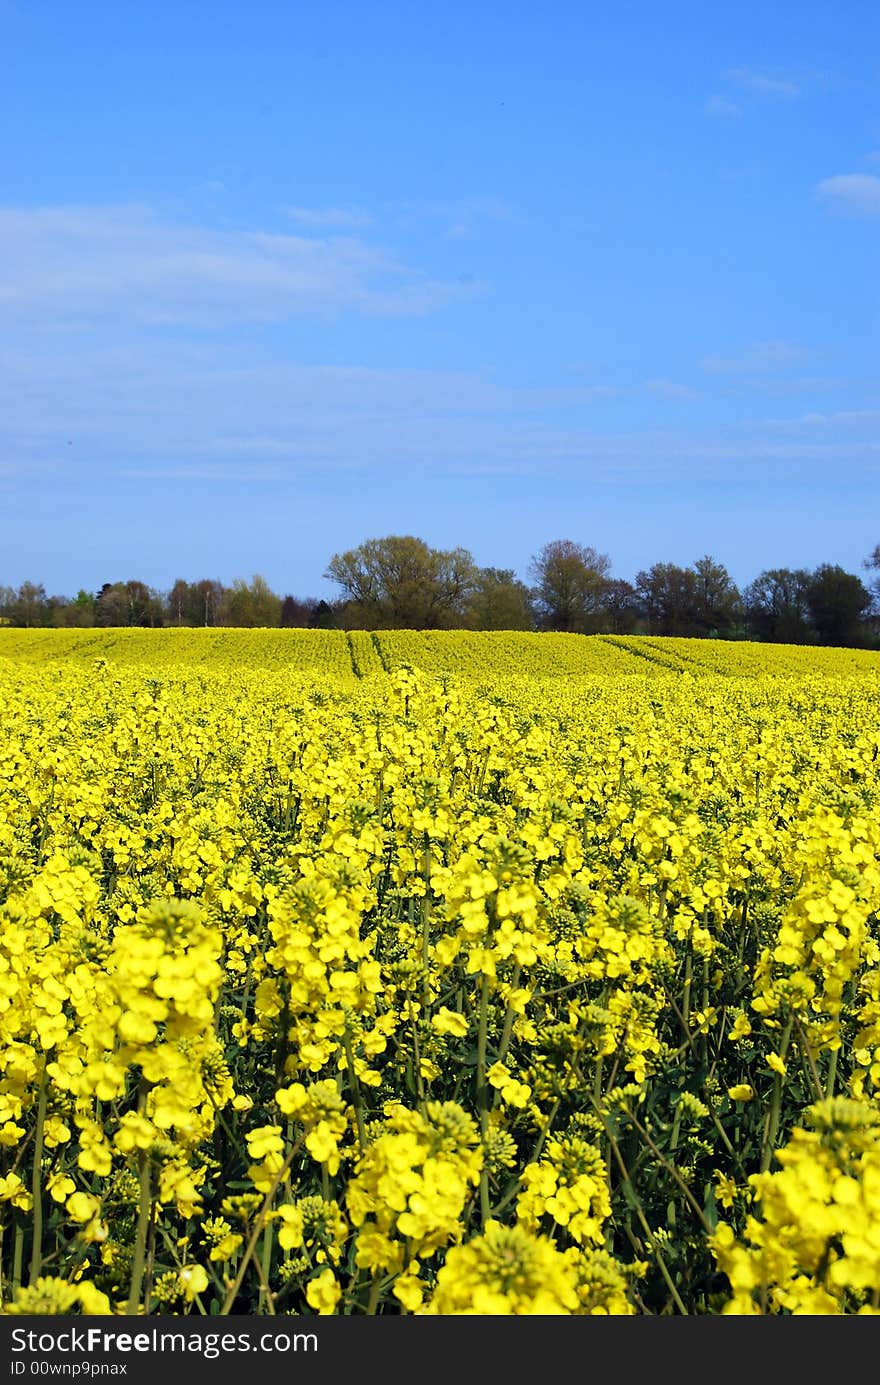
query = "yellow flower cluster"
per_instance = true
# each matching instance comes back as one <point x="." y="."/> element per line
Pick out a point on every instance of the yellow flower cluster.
<point x="815" y="1247"/>
<point x="569" y="1186"/>
<point x="412" y="1184"/>
<point x="510" y="1272"/>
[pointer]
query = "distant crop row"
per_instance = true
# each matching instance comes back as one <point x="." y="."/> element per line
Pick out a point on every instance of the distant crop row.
<point x="490" y="654"/>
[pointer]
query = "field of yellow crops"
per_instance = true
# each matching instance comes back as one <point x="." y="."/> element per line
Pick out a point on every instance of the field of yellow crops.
<point x="437" y="973"/>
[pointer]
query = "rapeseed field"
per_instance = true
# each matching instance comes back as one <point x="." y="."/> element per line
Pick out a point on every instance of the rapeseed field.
<point x="437" y="973"/>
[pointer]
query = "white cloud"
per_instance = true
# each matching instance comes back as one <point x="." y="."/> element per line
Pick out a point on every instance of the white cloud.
<point x="99" y="264"/>
<point x="153" y="411"/>
<point x="223" y="412"/>
<point x="486" y="208"/>
<point x="464" y="216"/>
<point x="670" y="389"/>
<point x="854" y="418"/>
<point x="169" y="419"/>
<point x="763" y="83"/>
<point x="857" y="194"/>
<point x="216" y="473"/>
<point x="723" y="109"/>
<point x="318" y="217"/>
<point x="761" y="357"/>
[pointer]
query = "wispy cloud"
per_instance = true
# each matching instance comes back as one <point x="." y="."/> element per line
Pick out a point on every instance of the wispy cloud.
<point x="761" y="357"/>
<point x="722" y="108"/>
<point x="760" y="83"/>
<point x="499" y="470"/>
<point x="745" y="87"/>
<point x="464" y="217"/>
<point x="855" y="194"/>
<point x="317" y="218"/>
<point x="229" y="416"/>
<point x="838" y="418"/>
<point x="215" y="473"/>
<point x="670" y="389"/>
<point x="121" y="263"/>
<point x="154" y="413"/>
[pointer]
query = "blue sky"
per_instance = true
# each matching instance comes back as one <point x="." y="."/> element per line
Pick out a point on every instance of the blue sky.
<point x="276" y="278"/>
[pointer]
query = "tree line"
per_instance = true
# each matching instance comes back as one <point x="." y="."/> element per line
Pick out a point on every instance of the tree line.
<point x="400" y="582"/>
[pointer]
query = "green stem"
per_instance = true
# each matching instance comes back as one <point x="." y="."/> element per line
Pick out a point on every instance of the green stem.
<point x="482" y="1094"/>
<point x="417" y="1062"/>
<point x="36" y="1183"/>
<point x="356" y="1097"/>
<point x="686" y="989"/>
<point x="636" y="1204"/>
<point x="509" y="1018"/>
<point x="232" y="1292"/>
<point x="544" y="1132"/>
<point x="17" y="1255"/>
<point x="145" y="1202"/>
<point x="832" y="1073"/>
<point x="149" y="1269"/>
<point x="373" y="1300"/>
<point x="810" y="1061"/>
<point x="676" y="1127"/>
<point x="426" y="924"/>
<point x="264" y="1265"/>
<point x="670" y="1169"/>
<point x="772" y="1128"/>
<point x="704" y="1038"/>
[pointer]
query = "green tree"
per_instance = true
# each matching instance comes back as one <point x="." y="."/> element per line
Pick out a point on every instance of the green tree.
<point x="211" y="596"/>
<point x="81" y="611"/>
<point x="324" y="617"/>
<point x="399" y="582"/>
<point x="669" y="596"/>
<point x="128" y="603"/>
<point x="297" y="613"/>
<point x="776" y="606"/>
<point x="499" y="601"/>
<point x="57" y="612"/>
<point x="717" y="604"/>
<point x="620" y="608"/>
<point x="29" y="605"/>
<point x="252" y="603"/>
<point x="181" y="603"/>
<point x="195" y="603"/>
<point x="838" y="603"/>
<point x="571" y="582"/>
<point x="698" y="600"/>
